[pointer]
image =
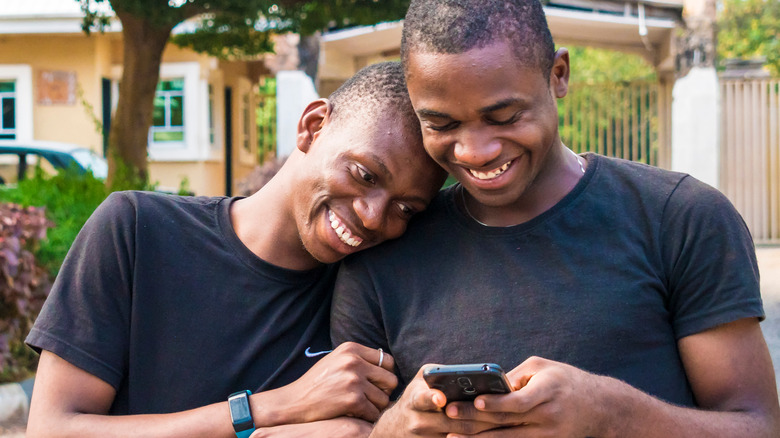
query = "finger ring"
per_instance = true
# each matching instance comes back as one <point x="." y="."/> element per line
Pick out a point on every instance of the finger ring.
<point x="381" y="357"/>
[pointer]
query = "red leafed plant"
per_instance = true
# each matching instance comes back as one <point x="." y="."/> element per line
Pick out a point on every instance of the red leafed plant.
<point x="23" y="285"/>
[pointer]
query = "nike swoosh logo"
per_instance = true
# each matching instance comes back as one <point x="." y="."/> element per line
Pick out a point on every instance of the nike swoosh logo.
<point x="310" y="353"/>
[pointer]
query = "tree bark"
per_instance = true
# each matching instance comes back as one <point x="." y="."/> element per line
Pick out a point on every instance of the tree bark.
<point x="128" y="139"/>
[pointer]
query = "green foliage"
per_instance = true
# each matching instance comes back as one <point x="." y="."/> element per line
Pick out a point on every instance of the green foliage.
<point x="596" y="66"/>
<point x="69" y="199"/>
<point x="240" y="28"/>
<point x="266" y="117"/>
<point x="23" y="286"/>
<point x="749" y="29"/>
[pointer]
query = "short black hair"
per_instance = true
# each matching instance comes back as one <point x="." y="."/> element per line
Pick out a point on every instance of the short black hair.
<point x="378" y="88"/>
<point x="456" y="26"/>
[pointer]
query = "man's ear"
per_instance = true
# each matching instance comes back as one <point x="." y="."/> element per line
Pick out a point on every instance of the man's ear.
<point x="559" y="75"/>
<point x="311" y="123"/>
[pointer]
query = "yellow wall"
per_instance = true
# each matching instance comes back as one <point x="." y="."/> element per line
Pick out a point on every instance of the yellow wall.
<point x="206" y="178"/>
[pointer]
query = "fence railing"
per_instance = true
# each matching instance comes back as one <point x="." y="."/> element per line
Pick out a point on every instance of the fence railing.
<point x="750" y="153"/>
<point x="618" y="120"/>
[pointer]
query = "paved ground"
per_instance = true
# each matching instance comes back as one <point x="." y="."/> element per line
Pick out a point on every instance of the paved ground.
<point x="769" y="266"/>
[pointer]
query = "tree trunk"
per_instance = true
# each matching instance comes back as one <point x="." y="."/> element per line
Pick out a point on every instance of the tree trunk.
<point x="128" y="139"/>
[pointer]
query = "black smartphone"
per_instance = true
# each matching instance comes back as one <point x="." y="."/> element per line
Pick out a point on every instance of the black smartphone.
<point x="465" y="382"/>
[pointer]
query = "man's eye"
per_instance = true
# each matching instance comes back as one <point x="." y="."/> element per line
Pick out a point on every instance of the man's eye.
<point x="406" y="210"/>
<point x="508" y="121"/>
<point x="366" y="175"/>
<point x="440" y="128"/>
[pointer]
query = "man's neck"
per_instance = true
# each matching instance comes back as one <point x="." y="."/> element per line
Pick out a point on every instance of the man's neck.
<point x="265" y="224"/>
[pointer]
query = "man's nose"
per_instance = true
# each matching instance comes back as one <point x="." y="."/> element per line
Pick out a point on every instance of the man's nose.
<point x="476" y="148"/>
<point x="371" y="210"/>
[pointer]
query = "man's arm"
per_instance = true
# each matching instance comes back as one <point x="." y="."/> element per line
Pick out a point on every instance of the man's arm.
<point x="729" y="369"/>
<point x="70" y="402"/>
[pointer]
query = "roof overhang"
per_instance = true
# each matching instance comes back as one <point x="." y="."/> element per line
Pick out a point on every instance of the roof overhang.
<point x="648" y="36"/>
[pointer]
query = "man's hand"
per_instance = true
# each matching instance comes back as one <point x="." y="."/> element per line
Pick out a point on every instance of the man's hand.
<point x="337" y="427"/>
<point x="346" y="382"/>
<point x="550" y="399"/>
<point x="418" y="413"/>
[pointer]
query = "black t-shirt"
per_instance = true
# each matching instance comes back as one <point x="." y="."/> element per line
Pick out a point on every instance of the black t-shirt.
<point x="609" y="279"/>
<point x="159" y="298"/>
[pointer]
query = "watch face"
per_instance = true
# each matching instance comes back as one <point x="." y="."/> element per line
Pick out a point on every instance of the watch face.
<point x="239" y="412"/>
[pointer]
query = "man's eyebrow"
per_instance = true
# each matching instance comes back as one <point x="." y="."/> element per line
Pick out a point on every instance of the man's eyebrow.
<point x="513" y="101"/>
<point x="379" y="163"/>
<point x="432" y="113"/>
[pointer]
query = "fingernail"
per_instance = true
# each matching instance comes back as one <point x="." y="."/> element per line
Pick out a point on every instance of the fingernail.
<point x="479" y="403"/>
<point x="437" y="400"/>
<point x="452" y="411"/>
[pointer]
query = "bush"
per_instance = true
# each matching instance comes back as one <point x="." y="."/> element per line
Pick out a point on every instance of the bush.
<point x="23" y="286"/>
<point x="69" y="199"/>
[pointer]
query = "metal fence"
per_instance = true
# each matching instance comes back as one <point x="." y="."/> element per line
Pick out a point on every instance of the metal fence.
<point x="750" y="153"/>
<point x="626" y="120"/>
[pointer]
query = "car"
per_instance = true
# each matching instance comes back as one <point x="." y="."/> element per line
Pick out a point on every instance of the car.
<point x="19" y="160"/>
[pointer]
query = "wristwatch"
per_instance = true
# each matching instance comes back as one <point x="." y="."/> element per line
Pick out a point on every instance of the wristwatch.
<point x="240" y="414"/>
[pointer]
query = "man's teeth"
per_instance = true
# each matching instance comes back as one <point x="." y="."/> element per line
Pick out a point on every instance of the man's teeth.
<point x="343" y="232"/>
<point x="493" y="173"/>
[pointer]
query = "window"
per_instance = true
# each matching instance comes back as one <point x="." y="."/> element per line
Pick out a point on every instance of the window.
<point x="8" y="106"/>
<point x="168" y="116"/>
<point x="246" y="124"/>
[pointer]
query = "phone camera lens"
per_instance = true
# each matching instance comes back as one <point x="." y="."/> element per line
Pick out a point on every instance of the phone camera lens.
<point x="486" y="367"/>
<point x="464" y="382"/>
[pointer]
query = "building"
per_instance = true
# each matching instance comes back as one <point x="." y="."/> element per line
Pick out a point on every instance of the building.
<point x="58" y="84"/>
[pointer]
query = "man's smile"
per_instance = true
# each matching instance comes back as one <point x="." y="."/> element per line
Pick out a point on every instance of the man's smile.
<point x="345" y="234"/>
<point x="492" y="173"/>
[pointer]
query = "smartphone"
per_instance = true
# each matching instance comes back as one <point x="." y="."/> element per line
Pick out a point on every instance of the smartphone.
<point x="465" y="382"/>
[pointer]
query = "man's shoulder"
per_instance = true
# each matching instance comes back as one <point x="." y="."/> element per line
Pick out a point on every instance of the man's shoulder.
<point x="650" y="182"/>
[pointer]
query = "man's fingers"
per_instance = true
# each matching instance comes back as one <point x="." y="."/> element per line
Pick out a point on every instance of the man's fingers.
<point x="375" y="356"/>
<point x="468" y="411"/>
<point x="428" y="400"/>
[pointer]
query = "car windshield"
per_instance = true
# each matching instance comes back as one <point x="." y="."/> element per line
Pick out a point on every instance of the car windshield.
<point x="90" y="160"/>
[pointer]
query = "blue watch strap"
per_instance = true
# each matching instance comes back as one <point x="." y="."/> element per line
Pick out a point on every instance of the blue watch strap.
<point x="245" y="433"/>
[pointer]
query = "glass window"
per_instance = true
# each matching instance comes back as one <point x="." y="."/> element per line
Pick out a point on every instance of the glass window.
<point x="8" y="108"/>
<point x="245" y="115"/>
<point x="168" y="114"/>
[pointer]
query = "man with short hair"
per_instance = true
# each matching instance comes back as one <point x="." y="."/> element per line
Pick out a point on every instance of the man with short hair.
<point x="626" y="296"/>
<point x="165" y="305"/>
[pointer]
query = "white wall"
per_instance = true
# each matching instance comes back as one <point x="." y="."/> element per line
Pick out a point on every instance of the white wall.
<point x="294" y="90"/>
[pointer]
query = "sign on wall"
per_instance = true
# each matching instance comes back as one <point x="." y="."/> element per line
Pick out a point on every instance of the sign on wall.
<point x="56" y="87"/>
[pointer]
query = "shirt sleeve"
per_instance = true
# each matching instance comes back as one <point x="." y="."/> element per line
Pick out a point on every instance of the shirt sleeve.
<point x="86" y="318"/>
<point x="355" y="314"/>
<point x="710" y="260"/>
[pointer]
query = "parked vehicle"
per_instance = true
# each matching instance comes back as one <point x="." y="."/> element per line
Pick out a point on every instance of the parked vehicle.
<point x="19" y="160"/>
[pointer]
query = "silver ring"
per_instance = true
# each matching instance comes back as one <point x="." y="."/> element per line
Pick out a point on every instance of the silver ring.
<point x="381" y="357"/>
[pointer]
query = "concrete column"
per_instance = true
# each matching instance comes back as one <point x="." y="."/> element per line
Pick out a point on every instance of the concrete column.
<point x="294" y="90"/>
<point x="695" y="96"/>
<point x="696" y="125"/>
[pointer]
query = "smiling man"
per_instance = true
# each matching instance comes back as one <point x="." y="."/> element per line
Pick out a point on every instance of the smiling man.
<point x="624" y="296"/>
<point x="167" y="306"/>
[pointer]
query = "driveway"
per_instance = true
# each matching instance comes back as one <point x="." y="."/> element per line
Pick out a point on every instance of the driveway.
<point x="769" y="267"/>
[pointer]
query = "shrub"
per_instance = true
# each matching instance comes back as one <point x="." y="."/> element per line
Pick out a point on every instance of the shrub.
<point x="23" y="285"/>
<point x="69" y="199"/>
